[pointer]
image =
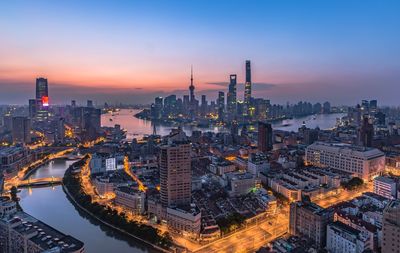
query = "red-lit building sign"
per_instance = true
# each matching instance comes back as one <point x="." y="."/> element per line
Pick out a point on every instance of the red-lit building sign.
<point x="45" y="101"/>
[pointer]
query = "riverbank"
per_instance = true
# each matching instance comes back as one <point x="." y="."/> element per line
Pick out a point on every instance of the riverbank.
<point x="109" y="217"/>
<point x="31" y="169"/>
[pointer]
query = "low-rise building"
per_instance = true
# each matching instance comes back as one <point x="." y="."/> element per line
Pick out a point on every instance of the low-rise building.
<point x="309" y="220"/>
<point x="20" y="232"/>
<point x="257" y="163"/>
<point x="343" y="238"/>
<point x="385" y="186"/>
<point x="130" y="198"/>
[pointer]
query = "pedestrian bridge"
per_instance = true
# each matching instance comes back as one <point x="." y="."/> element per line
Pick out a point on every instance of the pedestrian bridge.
<point x="40" y="182"/>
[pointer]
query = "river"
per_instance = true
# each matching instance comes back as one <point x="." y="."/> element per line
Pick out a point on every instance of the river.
<point x="51" y="205"/>
<point x="136" y="128"/>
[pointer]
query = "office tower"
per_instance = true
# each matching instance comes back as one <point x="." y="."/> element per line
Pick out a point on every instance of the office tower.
<point x="204" y="105"/>
<point x="247" y="85"/>
<point x="310" y="136"/>
<point x="326" y="107"/>
<point x="32" y="108"/>
<point x="42" y="99"/>
<point x="41" y="88"/>
<point x="364" y="163"/>
<point x="175" y="171"/>
<point x="373" y="106"/>
<point x="221" y="105"/>
<point x="231" y="96"/>
<point x="264" y="137"/>
<point x="59" y="130"/>
<point x="309" y="220"/>
<point x="317" y="108"/>
<point x="391" y="227"/>
<point x="156" y="108"/>
<point x="73" y="103"/>
<point x="191" y="87"/>
<point x="21" y="130"/>
<point x="366" y="133"/>
<point x="380" y="118"/>
<point x="170" y="108"/>
<point x="89" y="103"/>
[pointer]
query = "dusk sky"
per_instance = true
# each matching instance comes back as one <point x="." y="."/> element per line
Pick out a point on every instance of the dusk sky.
<point x="131" y="51"/>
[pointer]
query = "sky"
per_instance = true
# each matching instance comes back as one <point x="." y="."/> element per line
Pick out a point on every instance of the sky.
<point x="340" y="51"/>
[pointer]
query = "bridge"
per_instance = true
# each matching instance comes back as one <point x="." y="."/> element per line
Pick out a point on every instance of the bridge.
<point x="40" y="182"/>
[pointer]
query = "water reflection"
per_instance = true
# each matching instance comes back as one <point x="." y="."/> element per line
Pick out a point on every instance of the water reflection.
<point x="52" y="206"/>
<point x="136" y="128"/>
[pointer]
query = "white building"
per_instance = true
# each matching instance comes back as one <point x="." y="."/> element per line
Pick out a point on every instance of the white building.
<point x="257" y="163"/>
<point x="359" y="161"/>
<point x="342" y="238"/>
<point x="385" y="186"/>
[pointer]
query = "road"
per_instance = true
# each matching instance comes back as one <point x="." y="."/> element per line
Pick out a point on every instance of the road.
<point x="344" y="196"/>
<point x="250" y="239"/>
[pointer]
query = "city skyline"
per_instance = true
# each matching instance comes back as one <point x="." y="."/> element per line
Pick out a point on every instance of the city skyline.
<point x="124" y="53"/>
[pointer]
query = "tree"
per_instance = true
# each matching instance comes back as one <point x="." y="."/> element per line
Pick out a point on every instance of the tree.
<point x="14" y="197"/>
<point x="352" y="184"/>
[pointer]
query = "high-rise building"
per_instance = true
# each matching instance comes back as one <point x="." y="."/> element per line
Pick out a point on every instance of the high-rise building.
<point x="309" y="220"/>
<point x="221" y="105"/>
<point x="366" y="133"/>
<point x="362" y="162"/>
<point x="175" y="171"/>
<point x="32" y="108"/>
<point x="89" y="103"/>
<point x="21" y="130"/>
<point x="247" y="87"/>
<point x="42" y="99"/>
<point x="264" y="137"/>
<point x="391" y="228"/>
<point x="231" y="96"/>
<point x="42" y="89"/>
<point x="326" y="107"/>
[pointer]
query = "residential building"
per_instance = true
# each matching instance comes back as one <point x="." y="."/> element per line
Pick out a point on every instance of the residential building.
<point x="343" y="238"/>
<point x="391" y="228"/>
<point x="309" y="220"/>
<point x="385" y="186"/>
<point x="131" y="199"/>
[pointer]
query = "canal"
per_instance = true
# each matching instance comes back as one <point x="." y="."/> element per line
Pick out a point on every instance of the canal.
<point x="51" y="205"/>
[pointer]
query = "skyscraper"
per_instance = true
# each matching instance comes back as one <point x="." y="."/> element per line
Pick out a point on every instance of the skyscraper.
<point x="366" y="133"/>
<point x="264" y="136"/>
<point x="247" y="86"/>
<point x="21" y="130"/>
<point x="42" y="99"/>
<point x="175" y="171"/>
<point x="42" y="89"/>
<point x="221" y="105"/>
<point x="231" y="96"/>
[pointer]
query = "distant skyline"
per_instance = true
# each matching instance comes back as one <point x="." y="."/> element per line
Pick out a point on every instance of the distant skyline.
<point x="131" y="51"/>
